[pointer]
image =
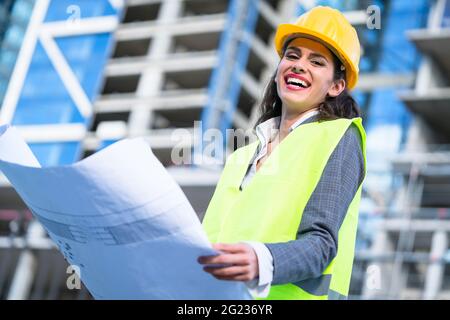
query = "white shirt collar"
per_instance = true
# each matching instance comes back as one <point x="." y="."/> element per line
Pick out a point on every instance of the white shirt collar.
<point x="267" y="130"/>
<point x="303" y="118"/>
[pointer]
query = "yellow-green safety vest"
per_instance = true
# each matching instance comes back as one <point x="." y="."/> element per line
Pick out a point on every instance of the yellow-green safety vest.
<point x="270" y="208"/>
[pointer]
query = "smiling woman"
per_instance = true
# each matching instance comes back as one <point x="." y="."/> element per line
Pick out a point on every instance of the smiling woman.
<point x="313" y="64"/>
<point x="329" y="94"/>
<point x="285" y="202"/>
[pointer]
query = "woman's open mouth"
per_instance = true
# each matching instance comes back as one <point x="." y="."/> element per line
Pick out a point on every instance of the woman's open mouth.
<point x="296" y="83"/>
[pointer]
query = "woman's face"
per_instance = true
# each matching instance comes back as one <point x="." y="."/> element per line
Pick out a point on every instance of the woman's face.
<point x="305" y="75"/>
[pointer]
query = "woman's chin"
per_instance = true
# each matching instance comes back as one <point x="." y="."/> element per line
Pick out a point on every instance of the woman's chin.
<point x="296" y="102"/>
<point x="293" y="95"/>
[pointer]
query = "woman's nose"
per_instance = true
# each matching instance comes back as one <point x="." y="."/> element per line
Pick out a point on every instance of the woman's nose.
<point x="298" y="67"/>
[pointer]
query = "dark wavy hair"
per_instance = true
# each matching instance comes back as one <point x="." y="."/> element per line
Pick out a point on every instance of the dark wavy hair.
<point x="342" y="106"/>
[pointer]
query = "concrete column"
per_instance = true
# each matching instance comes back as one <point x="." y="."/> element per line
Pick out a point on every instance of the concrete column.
<point x="435" y="272"/>
<point x="26" y="266"/>
<point x="152" y="78"/>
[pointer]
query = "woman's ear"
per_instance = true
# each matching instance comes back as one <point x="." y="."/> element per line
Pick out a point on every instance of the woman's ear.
<point x="336" y="88"/>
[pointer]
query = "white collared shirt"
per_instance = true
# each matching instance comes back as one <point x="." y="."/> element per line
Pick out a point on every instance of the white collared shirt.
<point x="266" y="132"/>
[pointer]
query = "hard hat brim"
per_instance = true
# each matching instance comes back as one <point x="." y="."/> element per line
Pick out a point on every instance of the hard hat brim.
<point x="287" y="31"/>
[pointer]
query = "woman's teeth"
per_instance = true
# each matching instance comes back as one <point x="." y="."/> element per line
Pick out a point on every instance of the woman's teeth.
<point x="297" y="82"/>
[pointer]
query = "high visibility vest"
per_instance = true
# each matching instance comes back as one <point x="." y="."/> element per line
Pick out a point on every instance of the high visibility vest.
<point x="269" y="209"/>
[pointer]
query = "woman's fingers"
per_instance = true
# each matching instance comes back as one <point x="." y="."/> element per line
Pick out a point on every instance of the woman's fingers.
<point x="230" y="248"/>
<point x="227" y="271"/>
<point x="241" y="273"/>
<point x="224" y="248"/>
<point x="236" y="262"/>
<point x="235" y="259"/>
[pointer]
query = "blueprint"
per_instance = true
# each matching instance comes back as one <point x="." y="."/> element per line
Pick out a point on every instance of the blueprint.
<point x="121" y="219"/>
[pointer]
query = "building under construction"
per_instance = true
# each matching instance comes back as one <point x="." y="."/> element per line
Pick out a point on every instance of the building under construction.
<point x="78" y="75"/>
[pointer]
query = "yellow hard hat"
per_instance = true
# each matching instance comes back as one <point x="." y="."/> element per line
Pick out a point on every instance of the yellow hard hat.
<point x="332" y="29"/>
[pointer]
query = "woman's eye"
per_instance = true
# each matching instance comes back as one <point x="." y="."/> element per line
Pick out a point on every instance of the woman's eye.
<point x="318" y="63"/>
<point x="291" y="56"/>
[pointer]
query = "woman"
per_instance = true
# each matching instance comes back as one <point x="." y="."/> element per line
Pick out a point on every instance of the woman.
<point x="284" y="213"/>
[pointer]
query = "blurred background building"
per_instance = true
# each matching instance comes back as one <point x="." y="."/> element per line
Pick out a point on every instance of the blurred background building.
<point x="78" y="75"/>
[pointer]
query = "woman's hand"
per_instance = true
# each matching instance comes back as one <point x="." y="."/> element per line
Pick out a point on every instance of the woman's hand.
<point x="240" y="260"/>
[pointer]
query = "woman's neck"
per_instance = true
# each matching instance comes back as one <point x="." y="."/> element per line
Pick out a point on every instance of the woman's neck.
<point x="288" y="119"/>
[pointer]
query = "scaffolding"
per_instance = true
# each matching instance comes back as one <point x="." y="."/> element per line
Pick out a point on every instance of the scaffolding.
<point x="409" y="254"/>
<point x="409" y="257"/>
